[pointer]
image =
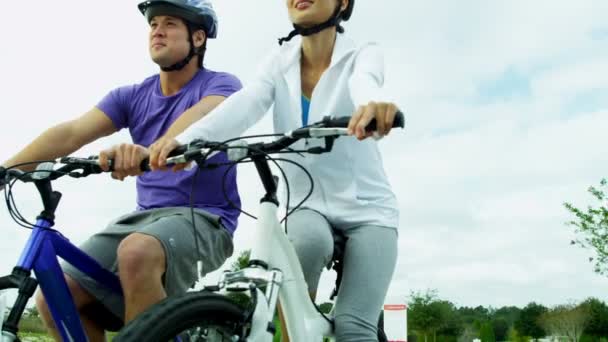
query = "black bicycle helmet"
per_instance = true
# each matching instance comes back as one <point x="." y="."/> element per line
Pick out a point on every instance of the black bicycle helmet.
<point x="348" y="11"/>
<point x="197" y="12"/>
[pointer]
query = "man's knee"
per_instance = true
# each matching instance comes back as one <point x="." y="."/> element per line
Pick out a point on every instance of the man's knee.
<point x="141" y="255"/>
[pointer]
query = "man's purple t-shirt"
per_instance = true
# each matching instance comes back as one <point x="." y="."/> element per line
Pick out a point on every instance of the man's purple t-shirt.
<point x="148" y="114"/>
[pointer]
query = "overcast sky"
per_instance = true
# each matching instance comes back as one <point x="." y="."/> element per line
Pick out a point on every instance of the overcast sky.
<point x="506" y="112"/>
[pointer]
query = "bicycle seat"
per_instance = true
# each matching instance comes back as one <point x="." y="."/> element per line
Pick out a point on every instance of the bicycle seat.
<point x="339" y="246"/>
<point x="337" y="259"/>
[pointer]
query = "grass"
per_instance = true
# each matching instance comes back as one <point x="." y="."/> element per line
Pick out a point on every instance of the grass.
<point x="34" y="337"/>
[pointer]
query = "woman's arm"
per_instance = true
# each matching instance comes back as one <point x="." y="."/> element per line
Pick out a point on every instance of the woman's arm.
<point x="229" y="119"/>
<point x="194" y="114"/>
<point x="371" y="101"/>
<point x="234" y="115"/>
<point x="239" y="111"/>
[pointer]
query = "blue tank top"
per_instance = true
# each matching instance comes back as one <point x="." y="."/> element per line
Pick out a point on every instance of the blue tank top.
<point x="305" y="109"/>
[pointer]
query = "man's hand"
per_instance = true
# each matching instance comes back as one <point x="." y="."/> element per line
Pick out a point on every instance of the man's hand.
<point x="159" y="152"/>
<point x="126" y="160"/>
<point x="383" y="112"/>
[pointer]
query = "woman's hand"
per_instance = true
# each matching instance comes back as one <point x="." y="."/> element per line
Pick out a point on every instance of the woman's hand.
<point x="126" y="158"/>
<point x="383" y="112"/>
<point x="159" y="152"/>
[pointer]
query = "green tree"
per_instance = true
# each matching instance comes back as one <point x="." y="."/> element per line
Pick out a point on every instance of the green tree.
<point x="597" y="325"/>
<point x="592" y="227"/>
<point x="450" y="325"/>
<point x="242" y="261"/>
<point x="514" y="336"/>
<point x="566" y="320"/>
<point x="509" y="313"/>
<point x="500" y="326"/>
<point x="486" y="332"/>
<point x="468" y="334"/>
<point x="528" y="322"/>
<point x="472" y="315"/>
<point x="424" y="317"/>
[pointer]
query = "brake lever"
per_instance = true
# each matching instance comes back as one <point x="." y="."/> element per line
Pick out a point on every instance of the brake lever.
<point x="329" y="145"/>
<point x="81" y="167"/>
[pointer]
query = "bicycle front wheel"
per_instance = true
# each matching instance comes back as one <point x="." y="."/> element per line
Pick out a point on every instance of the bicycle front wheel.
<point x="194" y="316"/>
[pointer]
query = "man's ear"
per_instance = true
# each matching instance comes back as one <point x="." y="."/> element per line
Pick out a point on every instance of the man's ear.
<point x="198" y="38"/>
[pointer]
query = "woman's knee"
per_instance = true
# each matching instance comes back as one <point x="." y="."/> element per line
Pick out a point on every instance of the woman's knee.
<point x="311" y="236"/>
<point x="351" y="327"/>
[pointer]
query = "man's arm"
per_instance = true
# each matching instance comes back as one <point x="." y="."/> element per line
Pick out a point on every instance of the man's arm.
<point x="127" y="157"/>
<point x="65" y="138"/>
<point x="193" y="114"/>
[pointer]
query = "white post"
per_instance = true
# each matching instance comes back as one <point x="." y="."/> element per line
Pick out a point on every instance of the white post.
<point x="395" y="320"/>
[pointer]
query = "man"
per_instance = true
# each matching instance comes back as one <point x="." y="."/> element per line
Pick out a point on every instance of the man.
<point x="155" y="249"/>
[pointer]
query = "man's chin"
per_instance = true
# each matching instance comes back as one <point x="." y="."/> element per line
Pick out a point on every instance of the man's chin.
<point x="162" y="63"/>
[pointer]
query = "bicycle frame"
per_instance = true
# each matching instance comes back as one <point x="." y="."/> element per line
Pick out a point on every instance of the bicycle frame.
<point x="303" y="321"/>
<point x="281" y="272"/>
<point x="275" y="264"/>
<point x="40" y="255"/>
<point x="284" y="273"/>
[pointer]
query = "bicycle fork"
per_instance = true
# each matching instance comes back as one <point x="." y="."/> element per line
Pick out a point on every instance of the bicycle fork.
<point x="254" y="278"/>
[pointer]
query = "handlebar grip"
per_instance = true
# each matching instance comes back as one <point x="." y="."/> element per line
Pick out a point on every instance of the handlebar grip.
<point x="145" y="164"/>
<point x="342" y="122"/>
<point x="399" y="121"/>
<point x="179" y="150"/>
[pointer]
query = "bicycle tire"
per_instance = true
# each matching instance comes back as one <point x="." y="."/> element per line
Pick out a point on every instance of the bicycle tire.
<point x="180" y="315"/>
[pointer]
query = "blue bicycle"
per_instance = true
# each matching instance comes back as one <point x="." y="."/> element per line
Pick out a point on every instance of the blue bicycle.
<point x="45" y="244"/>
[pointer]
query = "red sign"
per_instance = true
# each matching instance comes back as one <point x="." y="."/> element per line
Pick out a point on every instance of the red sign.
<point x="395" y="307"/>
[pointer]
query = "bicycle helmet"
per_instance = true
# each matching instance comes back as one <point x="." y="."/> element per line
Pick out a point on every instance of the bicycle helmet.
<point x="198" y="15"/>
<point x="334" y="20"/>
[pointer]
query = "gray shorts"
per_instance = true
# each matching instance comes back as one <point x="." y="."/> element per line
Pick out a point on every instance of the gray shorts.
<point x="173" y="228"/>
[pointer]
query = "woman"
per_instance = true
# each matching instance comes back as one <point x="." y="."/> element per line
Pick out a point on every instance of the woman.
<point x="322" y="73"/>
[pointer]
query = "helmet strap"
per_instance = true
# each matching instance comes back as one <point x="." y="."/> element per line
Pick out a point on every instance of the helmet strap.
<point x="334" y="20"/>
<point x="181" y="64"/>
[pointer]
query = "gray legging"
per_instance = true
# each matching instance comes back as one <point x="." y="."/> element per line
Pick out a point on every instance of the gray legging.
<point x="369" y="262"/>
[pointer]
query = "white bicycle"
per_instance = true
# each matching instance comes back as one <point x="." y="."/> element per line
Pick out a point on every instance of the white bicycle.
<point x="274" y="272"/>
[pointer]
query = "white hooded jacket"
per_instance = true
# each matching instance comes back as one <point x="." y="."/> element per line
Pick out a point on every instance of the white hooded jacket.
<point x="350" y="185"/>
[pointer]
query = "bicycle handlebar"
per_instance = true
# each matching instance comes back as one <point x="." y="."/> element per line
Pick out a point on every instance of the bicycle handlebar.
<point x="328" y="127"/>
<point x="73" y="166"/>
<point x="343" y="121"/>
